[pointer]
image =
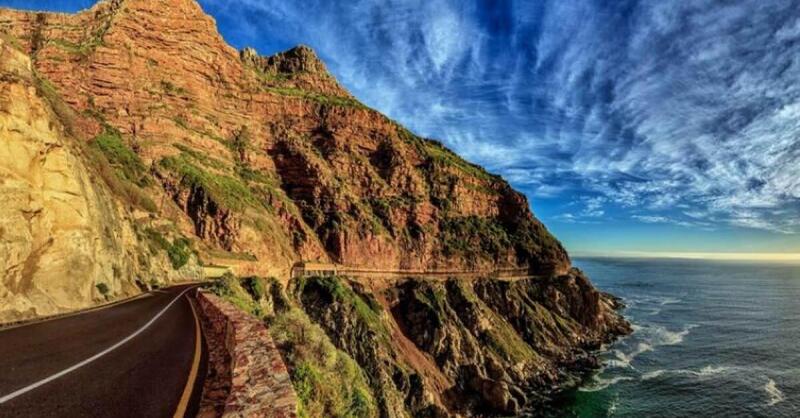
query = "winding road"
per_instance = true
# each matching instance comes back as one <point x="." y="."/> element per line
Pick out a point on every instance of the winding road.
<point x="140" y="358"/>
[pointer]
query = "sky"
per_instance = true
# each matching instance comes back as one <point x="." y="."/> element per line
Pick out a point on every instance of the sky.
<point x="632" y="126"/>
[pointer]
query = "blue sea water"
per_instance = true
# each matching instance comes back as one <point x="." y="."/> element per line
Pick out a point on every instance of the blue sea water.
<point x="712" y="338"/>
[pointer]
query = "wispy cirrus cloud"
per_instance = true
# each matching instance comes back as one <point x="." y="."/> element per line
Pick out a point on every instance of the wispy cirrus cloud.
<point x="659" y="110"/>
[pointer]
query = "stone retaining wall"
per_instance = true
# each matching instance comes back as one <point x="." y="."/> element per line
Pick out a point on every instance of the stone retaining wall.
<point x="246" y="374"/>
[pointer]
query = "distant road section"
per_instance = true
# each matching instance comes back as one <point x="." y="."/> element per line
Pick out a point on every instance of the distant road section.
<point x="134" y="359"/>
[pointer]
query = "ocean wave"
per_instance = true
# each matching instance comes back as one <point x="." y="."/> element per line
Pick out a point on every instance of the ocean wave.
<point x="669" y="301"/>
<point x="598" y="383"/>
<point x="663" y="336"/>
<point x="653" y="375"/>
<point x="652" y="336"/>
<point x="710" y="370"/>
<point x="654" y="312"/>
<point x="623" y="360"/>
<point x="704" y="372"/>
<point x="773" y="393"/>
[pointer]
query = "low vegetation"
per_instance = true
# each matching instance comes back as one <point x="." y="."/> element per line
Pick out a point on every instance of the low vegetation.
<point x="316" y="97"/>
<point x="179" y="251"/>
<point x="473" y="235"/>
<point x="126" y="163"/>
<point x="227" y="191"/>
<point x="121" y="169"/>
<point x="327" y="381"/>
<point x="103" y="289"/>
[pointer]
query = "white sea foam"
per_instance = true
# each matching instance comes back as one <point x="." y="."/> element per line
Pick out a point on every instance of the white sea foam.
<point x="704" y="372"/>
<point x="612" y="408"/>
<point x="653" y="375"/>
<point x="711" y="370"/>
<point x="773" y="393"/>
<point x="653" y="336"/>
<point x="623" y="360"/>
<point x="663" y="336"/>
<point x="598" y="383"/>
<point x="669" y="301"/>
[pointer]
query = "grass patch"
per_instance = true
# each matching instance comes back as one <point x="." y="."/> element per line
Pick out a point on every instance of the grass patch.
<point x="366" y="308"/>
<point x="170" y="88"/>
<point x="126" y="163"/>
<point x="46" y="90"/>
<point x="229" y="288"/>
<point x="121" y="169"/>
<point x="201" y="158"/>
<point x="225" y="190"/>
<point x="316" y="97"/>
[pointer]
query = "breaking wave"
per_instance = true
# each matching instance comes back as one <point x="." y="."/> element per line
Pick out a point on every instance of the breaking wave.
<point x="598" y="383"/>
<point x="653" y="336"/>
<point x="704" y="372"/>
<point x="773" y="393"/>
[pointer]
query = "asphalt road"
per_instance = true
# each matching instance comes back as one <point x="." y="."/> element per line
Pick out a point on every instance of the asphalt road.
<point x="120" y="361"/>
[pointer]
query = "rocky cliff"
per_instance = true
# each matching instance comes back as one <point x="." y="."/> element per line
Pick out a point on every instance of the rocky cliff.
<point x="268" y="160"/>
<point x="65" y="241"/>
<point x="421" y="347"/>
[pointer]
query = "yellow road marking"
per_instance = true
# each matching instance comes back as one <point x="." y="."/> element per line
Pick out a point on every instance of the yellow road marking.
<point x="180" y="412"/>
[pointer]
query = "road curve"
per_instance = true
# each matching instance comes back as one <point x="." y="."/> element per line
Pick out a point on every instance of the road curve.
<point x="128" y="360"/>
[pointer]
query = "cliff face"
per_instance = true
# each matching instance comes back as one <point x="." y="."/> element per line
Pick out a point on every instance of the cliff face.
<point x="65" y="242"/>
<point x="268" y="160"/>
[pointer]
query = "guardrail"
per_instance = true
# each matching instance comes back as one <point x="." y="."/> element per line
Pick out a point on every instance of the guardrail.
<point x="255" y="382"/>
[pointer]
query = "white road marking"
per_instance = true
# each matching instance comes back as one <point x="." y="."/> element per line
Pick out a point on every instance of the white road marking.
<point x="77" y="366"/>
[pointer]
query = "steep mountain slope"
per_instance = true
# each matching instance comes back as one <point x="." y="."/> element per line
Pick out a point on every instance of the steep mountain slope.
<point x="65" y="241"/>
<point x="268" y="160"/>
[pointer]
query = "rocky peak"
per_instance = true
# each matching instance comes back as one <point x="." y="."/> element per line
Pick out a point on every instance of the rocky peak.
<point x="298" y="59"/>
<point x="299" y="66"/>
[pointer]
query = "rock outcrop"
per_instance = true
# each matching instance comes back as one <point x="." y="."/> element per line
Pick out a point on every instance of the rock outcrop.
<point x="65" y="242"/>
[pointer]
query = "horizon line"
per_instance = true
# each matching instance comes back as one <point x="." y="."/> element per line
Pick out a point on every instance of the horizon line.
<point x="728" y="256"/>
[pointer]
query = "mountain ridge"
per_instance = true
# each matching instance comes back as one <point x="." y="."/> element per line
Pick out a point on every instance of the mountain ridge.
<point x="379" y="196"/>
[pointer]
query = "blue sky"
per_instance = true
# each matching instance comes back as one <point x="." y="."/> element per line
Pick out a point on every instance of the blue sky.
<point x="661" y="125"/>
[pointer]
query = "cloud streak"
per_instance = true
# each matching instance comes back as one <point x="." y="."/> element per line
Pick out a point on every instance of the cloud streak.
<point x="667" y="111"/>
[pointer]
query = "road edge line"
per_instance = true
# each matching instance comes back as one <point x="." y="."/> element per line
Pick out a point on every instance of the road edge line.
<point x="77" y="366"/>
<point x="180" y="411"/>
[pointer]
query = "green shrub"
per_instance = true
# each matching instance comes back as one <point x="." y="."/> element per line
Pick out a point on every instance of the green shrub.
<point x="255" y="286"/>
<point x="179" y="251"/>
<point x="328" y="382"/>
<point x="473" y="235"/>
<point x="103" y="289"/>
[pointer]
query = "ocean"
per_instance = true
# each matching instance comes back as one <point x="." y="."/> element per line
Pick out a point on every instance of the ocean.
<point x="712" y="338"/>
